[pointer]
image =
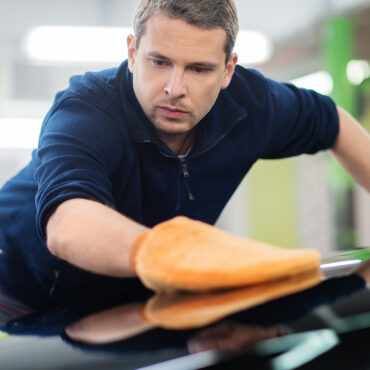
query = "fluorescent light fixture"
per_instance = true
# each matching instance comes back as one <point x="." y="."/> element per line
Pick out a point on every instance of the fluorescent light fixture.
<point x="320" y="81"/>
<point x="19" y="133"/>
<point x="357" y="71"/>
<point x="61" y="44"/>
<point x="67" y="44"/>
<point x="252" y="47"/>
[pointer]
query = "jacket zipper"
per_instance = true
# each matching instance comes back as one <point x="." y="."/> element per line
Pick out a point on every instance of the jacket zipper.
<point x="186" y="176"/>
<point x="54" y="285"/>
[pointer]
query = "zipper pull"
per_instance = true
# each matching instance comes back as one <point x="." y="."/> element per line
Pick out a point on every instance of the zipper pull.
<point x="186" y="175"/>
<point x="185" y="170"/>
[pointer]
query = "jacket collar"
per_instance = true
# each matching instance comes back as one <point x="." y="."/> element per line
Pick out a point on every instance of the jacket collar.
<point x="223" y="116"/>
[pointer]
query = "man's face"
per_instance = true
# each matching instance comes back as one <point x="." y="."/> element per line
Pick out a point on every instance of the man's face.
<point x="178" y="71"/>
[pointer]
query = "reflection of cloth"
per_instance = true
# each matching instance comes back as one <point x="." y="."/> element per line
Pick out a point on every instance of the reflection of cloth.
<point x="96" y="143"/>
<point x="11" y="308"/>
<point x="297" y="305"/>
<point x="185" y="310"/>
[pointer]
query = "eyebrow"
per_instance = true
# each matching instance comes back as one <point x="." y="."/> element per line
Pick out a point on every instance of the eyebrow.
<point x="195" y="64"/>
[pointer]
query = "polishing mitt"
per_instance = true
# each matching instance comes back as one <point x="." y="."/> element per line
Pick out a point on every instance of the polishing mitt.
<point x="189" y="255"/>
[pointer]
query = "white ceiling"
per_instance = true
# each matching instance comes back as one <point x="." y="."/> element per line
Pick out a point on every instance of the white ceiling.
<point x="276" y="19"/>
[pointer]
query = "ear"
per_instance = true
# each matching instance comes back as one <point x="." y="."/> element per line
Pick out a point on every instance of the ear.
<point x="131" y="51"/>
<point x="229" y="71"/>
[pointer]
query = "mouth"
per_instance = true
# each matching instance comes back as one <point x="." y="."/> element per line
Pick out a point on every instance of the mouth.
<point x="172" y="112"/>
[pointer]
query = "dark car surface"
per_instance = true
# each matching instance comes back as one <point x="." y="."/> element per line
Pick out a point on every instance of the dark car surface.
<point x="304" y="323"/>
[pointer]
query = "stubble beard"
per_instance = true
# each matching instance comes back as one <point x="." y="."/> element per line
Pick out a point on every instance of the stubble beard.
<point x="166" y="127"/>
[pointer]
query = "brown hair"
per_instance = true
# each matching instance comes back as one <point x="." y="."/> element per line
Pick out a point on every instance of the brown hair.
<point x="207" y="14"/>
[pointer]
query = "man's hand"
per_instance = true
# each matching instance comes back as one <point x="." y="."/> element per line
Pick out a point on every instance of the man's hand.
<point x="92" y="236"/>
<point x="352" y="148"/>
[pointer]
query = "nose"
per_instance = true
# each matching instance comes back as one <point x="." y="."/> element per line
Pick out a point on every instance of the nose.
<point x="175" y="87"/>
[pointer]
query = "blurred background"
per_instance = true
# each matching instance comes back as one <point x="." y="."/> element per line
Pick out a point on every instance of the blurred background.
<point x="319" y="44"/>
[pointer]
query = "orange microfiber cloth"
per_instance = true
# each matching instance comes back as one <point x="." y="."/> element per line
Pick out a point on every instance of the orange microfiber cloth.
<point x="183" y="254"/>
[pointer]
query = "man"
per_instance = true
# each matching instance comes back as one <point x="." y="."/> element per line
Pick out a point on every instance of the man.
<point x="171" y="132"/>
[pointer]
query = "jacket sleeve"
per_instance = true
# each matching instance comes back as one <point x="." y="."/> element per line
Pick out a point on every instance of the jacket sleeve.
<point x="299" y="121"/>
<point x="80" y="146"/>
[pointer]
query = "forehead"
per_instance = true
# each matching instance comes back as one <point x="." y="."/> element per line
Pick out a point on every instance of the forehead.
<point x="176" y="37"/>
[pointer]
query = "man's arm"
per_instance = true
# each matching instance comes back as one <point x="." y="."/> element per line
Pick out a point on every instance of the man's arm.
<point x="92" y="236"/>
<point x="352" y="148"/>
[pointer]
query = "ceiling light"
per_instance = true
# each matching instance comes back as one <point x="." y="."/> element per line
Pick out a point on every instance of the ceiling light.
<point x="19" y="133"/>
<point x="252" y="48"/>
<point x="67" y="44"/>
<point x="357" y="71"/>
<point x="61" y="44"/>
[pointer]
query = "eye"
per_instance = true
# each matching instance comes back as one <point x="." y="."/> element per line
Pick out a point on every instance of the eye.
<point x="159" y="62"/>
<point x="200" y="69"/>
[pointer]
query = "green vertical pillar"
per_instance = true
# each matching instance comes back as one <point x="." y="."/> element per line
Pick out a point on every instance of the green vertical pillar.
<point x="337" y="51"/>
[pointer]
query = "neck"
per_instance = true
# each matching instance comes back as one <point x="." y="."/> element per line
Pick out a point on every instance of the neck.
<point x="179" y="144"/>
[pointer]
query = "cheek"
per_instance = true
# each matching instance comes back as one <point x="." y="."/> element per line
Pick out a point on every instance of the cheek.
<point x="148" y="86"/>
<point x="209" y="92"/>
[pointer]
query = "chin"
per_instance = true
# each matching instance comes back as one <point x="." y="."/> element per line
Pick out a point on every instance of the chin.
<point x="172" y="130"/>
